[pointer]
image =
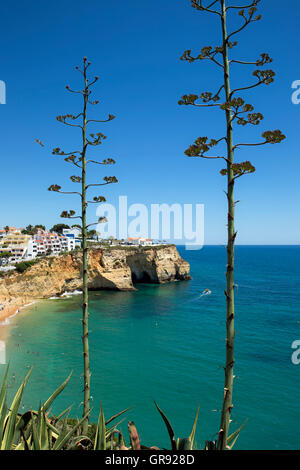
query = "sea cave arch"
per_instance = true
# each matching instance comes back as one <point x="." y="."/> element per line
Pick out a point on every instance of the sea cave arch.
<point x="142" y="270"/>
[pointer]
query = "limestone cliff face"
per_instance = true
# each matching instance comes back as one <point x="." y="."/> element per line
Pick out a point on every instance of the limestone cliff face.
<point x="114" y="268"/>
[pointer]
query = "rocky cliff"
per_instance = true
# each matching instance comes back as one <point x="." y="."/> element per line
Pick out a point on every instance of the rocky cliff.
<point x="117" y="268"/>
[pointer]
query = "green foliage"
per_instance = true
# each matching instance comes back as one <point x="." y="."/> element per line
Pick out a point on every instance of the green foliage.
<point x="91" y="233"/>
<point x="32" y="430"/>
<point x="36" y="430"/>
<point x="6" y="255"/>
<point x="58" y="228"/>
<point x="188" y="443"/>
<point x="33" y="229"/>
<point x="21" y="267"/>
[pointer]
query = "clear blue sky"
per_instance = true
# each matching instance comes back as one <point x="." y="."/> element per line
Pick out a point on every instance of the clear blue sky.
<point x="135" y="47"/>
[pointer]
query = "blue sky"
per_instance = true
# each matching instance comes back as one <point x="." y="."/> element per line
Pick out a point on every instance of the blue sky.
<point x="135" y="47"/>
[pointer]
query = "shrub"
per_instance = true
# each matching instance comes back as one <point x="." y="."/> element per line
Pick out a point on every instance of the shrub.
<point x="21" y="267"/>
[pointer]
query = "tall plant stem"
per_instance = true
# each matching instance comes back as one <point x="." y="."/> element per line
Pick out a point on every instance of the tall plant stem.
<point x="228" y="387"/>
<point x="78" y="158"/>
<point x="85" y="314"/>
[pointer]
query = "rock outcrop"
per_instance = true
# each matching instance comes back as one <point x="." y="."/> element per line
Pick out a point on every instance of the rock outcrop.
<point x="116" y="268"/>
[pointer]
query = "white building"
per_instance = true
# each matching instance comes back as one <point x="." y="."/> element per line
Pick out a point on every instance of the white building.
<point x="45" y="242"/>
<point x="140" y="241"/>
<point x="27" y="247"/>
<point x="32" y="249"/>
<point x="73" y="234"/>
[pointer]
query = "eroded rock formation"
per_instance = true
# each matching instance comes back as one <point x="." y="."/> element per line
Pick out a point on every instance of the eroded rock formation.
<point x="117" y="268"/>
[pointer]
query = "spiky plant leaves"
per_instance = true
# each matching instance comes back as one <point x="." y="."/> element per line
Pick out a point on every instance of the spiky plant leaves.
<point x="109" y="431"/>
<point x="168" y="426"/>
<point x="11" y="419"/>
<point x="66" y="436"/>
<point x="117" y="415"/>
<point x="193" y="432"/>
<point x="23" y="421"/>
<point x="82" y="443"/>
<point x="3" y="404"/>
<point x="184" y="444"/>
<point x="51" y="399"/>
<point x="118" y="443"/>
<point x="66" y="411"/>
<point x="3" y="411"/>
<point x="4" y="385"/>
<point x="100" y="439"/>
<point x="233" y="437"/>
<point x="34" y="433"/>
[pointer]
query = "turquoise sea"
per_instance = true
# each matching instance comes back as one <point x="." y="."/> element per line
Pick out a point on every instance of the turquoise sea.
<point x="167" y="343"/>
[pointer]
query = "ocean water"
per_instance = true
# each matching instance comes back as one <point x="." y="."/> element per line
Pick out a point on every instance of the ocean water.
<point x="167" y="343"/>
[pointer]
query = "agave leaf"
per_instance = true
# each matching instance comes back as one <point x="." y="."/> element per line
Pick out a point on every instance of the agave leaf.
<point x="10" y="424"/>
<point x="184" y="444"/>
<point x="81" y="443"/>
<point x="63" y="432"/>
<point x="233" y="442"/>
<point x="3" y="388"/>
<point x="35" y="438"/>
<point x="192" y="435"/>
<point x="3" y="411"/>
<point x="52" y="428"/>
<point x="110" y="430"/>
<point x="26" y="443"/>
<point x="51" y="399"/>
<point x="233" y="437"/>
<point x="44" y="432"/>
<point x="100" y="439"/>
<point x="169" y="427"/>
<point x="23" y="421"/>
<point x="3" y="403"/>
<point x="22" y="446"/>
<point x="66" y="411"/>
<point x="117" y="415"/>
<point x="61" y="442"/>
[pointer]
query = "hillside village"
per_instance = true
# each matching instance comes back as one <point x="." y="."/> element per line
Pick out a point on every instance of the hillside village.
<point x="20" y="244"/>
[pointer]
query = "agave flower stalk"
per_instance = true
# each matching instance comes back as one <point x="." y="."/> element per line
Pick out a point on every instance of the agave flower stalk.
<point x="236" y="112"/>
<point x="79" y="159"/>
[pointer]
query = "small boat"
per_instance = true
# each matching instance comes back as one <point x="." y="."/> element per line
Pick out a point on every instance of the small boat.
<point x="205" y="292"/>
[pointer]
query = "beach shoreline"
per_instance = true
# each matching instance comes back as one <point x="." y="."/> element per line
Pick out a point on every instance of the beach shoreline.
<point x="12" y="307"/>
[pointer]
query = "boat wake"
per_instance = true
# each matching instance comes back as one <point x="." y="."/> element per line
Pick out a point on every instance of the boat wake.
<point x="205" y="293"/>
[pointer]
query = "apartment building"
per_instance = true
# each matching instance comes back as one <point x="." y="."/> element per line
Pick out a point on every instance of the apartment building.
<point x="46" y="242"/>
<point x="73" y="234"/>
<point x="26" y="247"/>
<point x="16" y="244"/>
<point x="140" y="241"/>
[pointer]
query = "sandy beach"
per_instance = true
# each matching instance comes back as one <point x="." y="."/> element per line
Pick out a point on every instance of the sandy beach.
<point x="11" y="307"/>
